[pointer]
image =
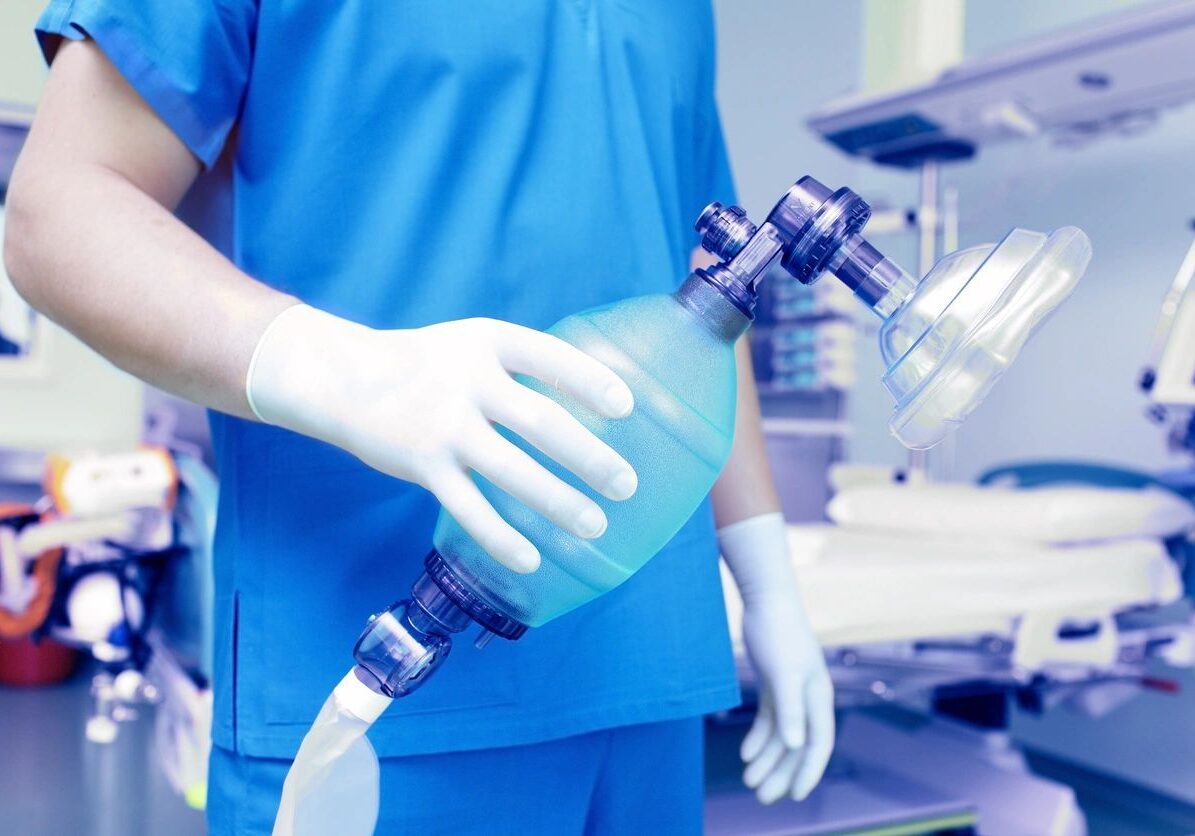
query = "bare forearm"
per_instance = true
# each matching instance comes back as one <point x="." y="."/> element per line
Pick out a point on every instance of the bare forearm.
<point x="745" y="489"/>
<point x="97" y="255"/>
<point x="93" y="243"/>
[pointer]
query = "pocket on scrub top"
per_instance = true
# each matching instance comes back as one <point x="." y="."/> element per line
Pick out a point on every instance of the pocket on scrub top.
<point x="345" y="542"/>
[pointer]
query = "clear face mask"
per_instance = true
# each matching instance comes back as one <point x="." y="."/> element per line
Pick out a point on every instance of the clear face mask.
<point x="958" y="331"/>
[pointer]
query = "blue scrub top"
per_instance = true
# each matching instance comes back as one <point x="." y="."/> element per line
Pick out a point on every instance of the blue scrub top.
<point x="401" y="163"/>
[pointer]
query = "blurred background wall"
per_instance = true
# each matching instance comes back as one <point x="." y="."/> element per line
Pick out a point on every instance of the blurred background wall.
<point x="21" y="70"/>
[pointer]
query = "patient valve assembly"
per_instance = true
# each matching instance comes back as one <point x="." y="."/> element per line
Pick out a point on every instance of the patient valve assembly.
<point x="945" y="339"/>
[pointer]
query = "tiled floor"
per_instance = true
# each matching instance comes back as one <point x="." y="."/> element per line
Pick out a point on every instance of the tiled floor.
<point x="53" y="782"/>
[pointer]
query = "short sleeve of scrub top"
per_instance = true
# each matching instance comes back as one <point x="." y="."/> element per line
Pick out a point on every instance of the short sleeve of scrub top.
<point x="188" y="59"/>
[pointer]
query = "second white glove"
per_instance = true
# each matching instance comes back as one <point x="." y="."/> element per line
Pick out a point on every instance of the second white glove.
<point x="789" y="744"/>
<point x="422" y="405"/>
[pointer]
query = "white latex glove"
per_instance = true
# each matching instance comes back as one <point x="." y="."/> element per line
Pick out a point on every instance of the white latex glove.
<point x="421" y="405"/>
<point x="789" y="744"/>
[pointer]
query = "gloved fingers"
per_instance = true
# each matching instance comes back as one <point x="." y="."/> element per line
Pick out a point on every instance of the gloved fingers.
<point x="564" y="367"/>
<point x="788" y="690"/>
<point x="762" y="766"/>
<point x="521" y="476"/>
<point x="554" y="431"/>
<point x="821" y="736"/>
<point x="761" y="729"/>
<point x="779" y="781"/>
<point x="468" y="506"/>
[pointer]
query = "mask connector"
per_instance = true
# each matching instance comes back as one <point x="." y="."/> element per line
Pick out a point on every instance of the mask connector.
<point x="810" y="231"/>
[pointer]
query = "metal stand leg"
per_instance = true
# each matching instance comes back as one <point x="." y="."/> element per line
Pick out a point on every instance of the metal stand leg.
<point x="927" y="229"/>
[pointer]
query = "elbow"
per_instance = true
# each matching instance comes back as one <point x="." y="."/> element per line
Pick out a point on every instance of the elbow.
<point x="19" y="235"/>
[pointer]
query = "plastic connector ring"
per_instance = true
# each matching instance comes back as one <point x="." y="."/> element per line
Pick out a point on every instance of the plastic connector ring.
<point x="481" y="612"/>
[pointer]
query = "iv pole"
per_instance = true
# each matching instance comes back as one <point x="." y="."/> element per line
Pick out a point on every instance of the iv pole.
<point x="937" y="232"/>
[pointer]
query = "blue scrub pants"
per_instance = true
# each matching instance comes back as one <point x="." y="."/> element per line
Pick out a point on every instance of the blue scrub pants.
<point x="633" y="779"/>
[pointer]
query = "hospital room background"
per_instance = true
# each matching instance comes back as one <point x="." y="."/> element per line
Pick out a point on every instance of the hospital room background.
<point x="1095" y="743"/>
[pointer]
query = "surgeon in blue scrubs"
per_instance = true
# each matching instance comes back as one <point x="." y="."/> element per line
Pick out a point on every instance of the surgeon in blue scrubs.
<point x="341" y="226"/>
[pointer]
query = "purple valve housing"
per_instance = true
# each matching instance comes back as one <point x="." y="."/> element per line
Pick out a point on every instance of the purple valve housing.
<point x="810" y="231"/>
<point x="677" y="439"/>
